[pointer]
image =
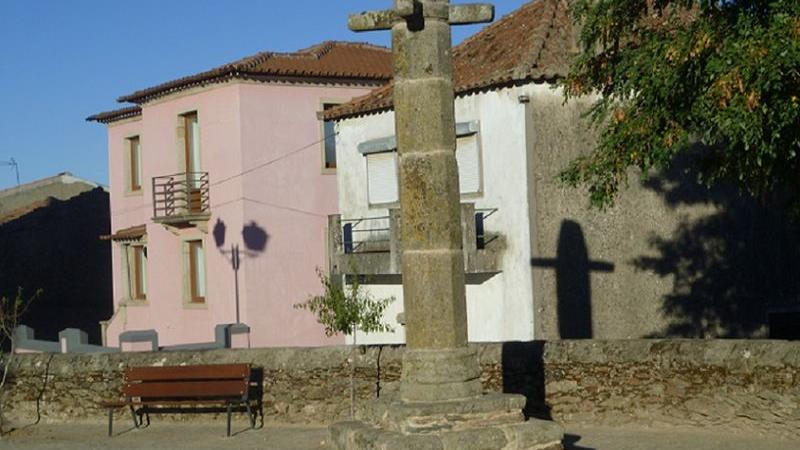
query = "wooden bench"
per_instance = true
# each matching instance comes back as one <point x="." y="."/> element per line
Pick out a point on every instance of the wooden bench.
<point x="189" y="389"/>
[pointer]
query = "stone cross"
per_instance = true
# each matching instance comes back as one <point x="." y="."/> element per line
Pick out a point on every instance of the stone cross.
<point x="437" y="365"/>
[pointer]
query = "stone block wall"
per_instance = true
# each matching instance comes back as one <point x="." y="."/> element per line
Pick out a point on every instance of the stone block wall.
<point x="741" y="385"/>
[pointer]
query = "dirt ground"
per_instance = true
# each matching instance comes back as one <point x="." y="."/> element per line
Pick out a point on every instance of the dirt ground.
<point x="211" y="435"/>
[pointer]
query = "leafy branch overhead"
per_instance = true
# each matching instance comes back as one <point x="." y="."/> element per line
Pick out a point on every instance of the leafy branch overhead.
<point x="343" y="309"/>
<point x="719" y="77"/>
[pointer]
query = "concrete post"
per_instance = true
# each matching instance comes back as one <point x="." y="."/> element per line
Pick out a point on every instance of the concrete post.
<point x="395" y="242"/>
<point x="138" y="341"/>
<point x="469" y="238"/>
<point x="239" y="335"/>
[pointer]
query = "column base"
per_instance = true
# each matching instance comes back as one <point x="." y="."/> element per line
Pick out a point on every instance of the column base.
<point x="489" y="422"/>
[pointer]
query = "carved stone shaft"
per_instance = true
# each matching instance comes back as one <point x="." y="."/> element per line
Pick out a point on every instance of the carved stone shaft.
<point x="438" y="365"/>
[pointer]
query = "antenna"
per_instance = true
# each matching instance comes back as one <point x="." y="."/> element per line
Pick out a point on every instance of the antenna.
<point x="12" y="163"/>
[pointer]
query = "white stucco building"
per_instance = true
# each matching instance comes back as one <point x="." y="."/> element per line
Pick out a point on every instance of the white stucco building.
<point x="497" y="73"/>
<point x="540" y="264"/>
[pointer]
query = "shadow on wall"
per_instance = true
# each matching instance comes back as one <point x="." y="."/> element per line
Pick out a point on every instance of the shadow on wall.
<point x="254" y="237"/>
<point x="57" y="248"/>
<point x="573" y="281"/>
<point x="730" y="268"/>
<point x="255" y="242"/>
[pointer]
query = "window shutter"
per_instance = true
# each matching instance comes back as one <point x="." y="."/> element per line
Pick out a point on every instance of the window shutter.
<point x="382" y="177"/>
<point x="468" y="157"/>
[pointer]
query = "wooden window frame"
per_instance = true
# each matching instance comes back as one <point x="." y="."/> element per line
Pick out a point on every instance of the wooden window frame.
<point x="134" y="163"/>
<point x="188" y="137"/>
<point x="193" y="281"/>
<point x="138" y="288"/>
<point x="326" y="104"/>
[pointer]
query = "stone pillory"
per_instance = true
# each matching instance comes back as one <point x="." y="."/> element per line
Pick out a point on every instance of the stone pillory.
<point x="441" y="403"/>
<point x="433" y="274"/>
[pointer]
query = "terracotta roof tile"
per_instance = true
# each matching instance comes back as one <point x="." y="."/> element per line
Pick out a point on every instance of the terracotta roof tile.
<point x="115" y="115"/>
<point x="533" y="43"/>
<point x="126" y="234"/>
<point x="328" y="60"/>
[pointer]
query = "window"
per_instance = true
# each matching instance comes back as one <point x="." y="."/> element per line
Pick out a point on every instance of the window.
<point x="469" y="167"/>
<point x="329" y="139"/>
<point x="191" y="139"/>
<point x="382" y="177"/>
<point x="197" y="272"/>
<point x="136" y="267"/>
<point x="139" y="282"/>
<point x="134" y="163"/>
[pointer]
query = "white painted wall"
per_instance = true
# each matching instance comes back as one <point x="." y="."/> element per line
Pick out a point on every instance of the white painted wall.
<point x="501" y="308"/>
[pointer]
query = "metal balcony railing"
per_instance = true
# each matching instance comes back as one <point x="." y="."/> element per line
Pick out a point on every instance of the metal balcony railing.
<point x="181" y="195"/>
<point x="366" y="234"/>
<point x="373" y="234"/>
<point x="373" y="245"/>
<point x="482" y="239"/>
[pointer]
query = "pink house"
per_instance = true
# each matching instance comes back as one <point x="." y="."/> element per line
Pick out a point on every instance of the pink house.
<point x="220" y="185"/>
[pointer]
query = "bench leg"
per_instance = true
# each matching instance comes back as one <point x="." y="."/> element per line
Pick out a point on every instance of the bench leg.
<point x="250" y="414"/>
<point x="110" y="422"/>
<point x="133" y="416"/>
<point x="229" y="420"/>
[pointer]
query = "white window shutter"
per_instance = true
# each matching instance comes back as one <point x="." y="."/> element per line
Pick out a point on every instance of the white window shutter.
<point x="382" y="177"/>
<point x="469" y="166"/>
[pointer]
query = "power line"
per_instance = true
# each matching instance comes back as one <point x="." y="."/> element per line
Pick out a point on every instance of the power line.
<point x="240" y="174"/>
<point x="279" y="158"/>
<point x="287" y="208"/>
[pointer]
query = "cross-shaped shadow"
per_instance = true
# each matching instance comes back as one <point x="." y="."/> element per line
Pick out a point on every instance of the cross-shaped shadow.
<point x="573" y="282"/>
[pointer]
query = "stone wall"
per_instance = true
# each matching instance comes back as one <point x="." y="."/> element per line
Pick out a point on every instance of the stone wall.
<point x="742" y="385"/>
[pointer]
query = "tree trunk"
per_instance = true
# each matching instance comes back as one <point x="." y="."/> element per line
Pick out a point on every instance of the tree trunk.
<point x="3" y="379"/>
<point x="352" y="375"/>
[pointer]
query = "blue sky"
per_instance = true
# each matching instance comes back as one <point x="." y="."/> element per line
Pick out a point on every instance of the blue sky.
<point x="65" y="60"/>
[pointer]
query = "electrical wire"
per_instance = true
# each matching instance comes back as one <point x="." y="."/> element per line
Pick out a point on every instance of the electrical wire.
<point x="240" y="174"/>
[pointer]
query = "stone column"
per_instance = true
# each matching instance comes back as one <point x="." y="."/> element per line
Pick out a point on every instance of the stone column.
<point x="437" y="364"/>
<point x="441" y="403"/>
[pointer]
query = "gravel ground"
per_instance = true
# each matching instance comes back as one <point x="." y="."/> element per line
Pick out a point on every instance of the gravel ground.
<point x="201" y="436"/>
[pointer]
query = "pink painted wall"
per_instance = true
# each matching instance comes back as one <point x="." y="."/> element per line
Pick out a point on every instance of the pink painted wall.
<point x="242" y="125"/>
<point x="290" y="198"/>
<point x="126" y="209"/>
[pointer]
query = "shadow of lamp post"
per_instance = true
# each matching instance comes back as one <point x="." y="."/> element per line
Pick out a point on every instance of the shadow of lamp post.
<point x="255" y="242"/>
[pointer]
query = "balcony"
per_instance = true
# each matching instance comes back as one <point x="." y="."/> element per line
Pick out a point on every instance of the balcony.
<point x="181" y="200"/>
<point x="372" y="246"/>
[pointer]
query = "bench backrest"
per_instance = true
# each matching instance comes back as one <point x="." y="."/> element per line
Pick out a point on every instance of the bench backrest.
<point x="206" y="382"/>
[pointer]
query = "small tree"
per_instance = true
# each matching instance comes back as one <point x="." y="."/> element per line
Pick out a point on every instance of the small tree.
<point x="347" y="309"/>
<point x="11" y="311"/>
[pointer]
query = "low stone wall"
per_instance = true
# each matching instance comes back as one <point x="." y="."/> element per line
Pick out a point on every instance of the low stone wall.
<point x="752" y="385"/>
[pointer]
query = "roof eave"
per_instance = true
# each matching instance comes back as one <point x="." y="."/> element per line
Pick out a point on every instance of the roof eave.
<point x="107" y="117"/>
<point x="159" y="92"/>
<point x="491" y="86"/>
